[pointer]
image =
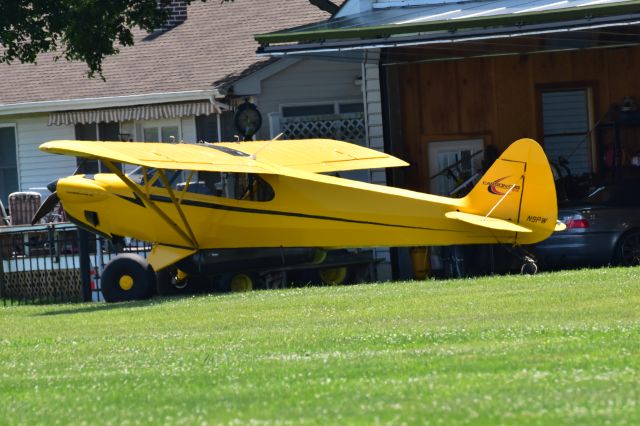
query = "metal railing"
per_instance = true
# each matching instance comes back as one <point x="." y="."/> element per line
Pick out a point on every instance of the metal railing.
<point x="55" y="263"/>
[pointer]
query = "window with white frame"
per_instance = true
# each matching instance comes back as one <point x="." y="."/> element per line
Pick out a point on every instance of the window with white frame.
<point x="8" y="161"/>
<point x="161" y="132"/>
<point x="96" y="132"/>
<point x="333" y="108"/>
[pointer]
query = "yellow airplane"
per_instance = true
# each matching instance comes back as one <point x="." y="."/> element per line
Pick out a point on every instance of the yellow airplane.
<point x="206" y="205"/>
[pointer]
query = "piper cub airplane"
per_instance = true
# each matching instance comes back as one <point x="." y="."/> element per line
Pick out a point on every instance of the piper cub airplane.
<point x="207" y="206"/>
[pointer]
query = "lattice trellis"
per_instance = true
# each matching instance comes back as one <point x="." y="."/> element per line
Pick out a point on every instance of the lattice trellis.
<point x="63" y="284"/>
<point x="346" y="128"/>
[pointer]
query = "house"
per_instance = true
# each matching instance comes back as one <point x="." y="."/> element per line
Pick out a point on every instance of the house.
<point x="183" y="82"/>
<point x="457" y="77"/>
<point x="316" y="97"/>
<point x="172" y="84"/>
<point x="481" y="70"/>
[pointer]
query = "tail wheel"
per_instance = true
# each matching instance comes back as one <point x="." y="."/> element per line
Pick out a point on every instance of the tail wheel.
<point x="172" y="281"/>
<point x="628" y="249"/>
<point x="529" y="268"/>
<point x="333" y="276"/>
<point x="127" y="277"/>
<point x="239" y="282"/>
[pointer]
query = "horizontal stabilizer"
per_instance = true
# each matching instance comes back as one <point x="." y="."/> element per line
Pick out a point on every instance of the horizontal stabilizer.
<point x="487" y="222"/>
<point x="560" y="227"/>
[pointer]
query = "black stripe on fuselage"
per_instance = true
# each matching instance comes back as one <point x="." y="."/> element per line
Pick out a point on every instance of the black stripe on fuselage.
<point x="135" y="199"/>
<point x="162" y="199"/>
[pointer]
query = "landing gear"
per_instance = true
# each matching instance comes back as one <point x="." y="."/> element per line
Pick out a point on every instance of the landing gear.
<point x="172" y="281"/>
<point x="238" y="282"/>
<point x="333" y="276"/>
<point x="127" y="277"/>
<point x="529" y="267"/>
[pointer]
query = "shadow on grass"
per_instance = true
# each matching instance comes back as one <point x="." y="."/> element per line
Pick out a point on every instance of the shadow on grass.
<point x="102" y="307"/>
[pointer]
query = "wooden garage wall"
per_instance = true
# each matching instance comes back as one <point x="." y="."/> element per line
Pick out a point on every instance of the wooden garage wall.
<point x="497" y="98"/>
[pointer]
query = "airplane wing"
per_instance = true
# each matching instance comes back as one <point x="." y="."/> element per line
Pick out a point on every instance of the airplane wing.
<point x="203" y="157"/>
<point x="312" y="155"/>
<point x="316" y="155"/>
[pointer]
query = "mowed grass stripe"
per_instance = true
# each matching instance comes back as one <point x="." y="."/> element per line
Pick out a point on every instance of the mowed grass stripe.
<point x="561" y="348"/>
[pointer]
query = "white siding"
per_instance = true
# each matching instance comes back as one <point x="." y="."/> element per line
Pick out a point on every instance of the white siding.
<point x="315" y="81"/>
<point x="36" y="168"/>
<point x="308" y="82"/>
<point x="375" y="139"/>
<point x="373" y="111"/>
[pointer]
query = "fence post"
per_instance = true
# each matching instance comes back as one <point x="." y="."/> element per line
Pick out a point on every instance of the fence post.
<point x="3" y="295"/>
<point x="85" y="264"/>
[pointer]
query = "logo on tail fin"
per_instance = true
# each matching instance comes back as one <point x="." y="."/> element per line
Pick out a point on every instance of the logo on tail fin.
<point x="498" y="188"/>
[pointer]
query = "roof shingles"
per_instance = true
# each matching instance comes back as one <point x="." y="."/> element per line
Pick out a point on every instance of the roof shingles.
<point x="211" y="48"/>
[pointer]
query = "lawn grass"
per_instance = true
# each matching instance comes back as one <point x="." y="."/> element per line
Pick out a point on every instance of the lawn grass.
<point x="556" y="348"/>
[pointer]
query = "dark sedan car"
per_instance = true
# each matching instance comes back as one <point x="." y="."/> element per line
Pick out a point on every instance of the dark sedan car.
<point x="602" y="229"/>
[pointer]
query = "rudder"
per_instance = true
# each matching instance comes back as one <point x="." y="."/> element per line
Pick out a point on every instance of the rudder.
<point x="520" y="189"/>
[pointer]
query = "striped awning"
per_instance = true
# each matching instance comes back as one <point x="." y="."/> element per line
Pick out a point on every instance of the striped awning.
<point x="135" y="113"/>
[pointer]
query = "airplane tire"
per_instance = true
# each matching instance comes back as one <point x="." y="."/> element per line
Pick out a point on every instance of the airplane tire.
<point x="529" y="268"/>
<point x="238" y="282"/>
<point x="334" y="276"/>
<point x="127" y="277"/>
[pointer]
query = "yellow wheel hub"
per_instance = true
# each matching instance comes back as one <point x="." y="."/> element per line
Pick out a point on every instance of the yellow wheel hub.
<point x="126" y="282"/>
<point x="241" y="282"/>
<point x="319" y="256"/>
<point x="333" y="276"/>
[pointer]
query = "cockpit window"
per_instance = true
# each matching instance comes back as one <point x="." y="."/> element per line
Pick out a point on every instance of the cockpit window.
<point x="140" y="175"/>
<point x="237" y="186"/>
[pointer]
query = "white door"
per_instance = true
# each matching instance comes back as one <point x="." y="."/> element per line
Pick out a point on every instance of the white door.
<point x="466" y="153"/>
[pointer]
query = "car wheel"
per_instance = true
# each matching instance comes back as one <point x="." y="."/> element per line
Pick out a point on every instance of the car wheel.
<point x="628" y="249"/>
<point x="127" y="277"/>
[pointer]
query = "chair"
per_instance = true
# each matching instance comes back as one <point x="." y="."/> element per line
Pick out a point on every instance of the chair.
<point x="23" y="206"/>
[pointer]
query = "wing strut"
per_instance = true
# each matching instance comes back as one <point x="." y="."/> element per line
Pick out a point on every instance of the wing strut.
<point x="145" y="198"/>
<point x="176" y="203"/>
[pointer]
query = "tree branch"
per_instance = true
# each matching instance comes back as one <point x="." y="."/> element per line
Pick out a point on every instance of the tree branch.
<point x="325" y="5"/>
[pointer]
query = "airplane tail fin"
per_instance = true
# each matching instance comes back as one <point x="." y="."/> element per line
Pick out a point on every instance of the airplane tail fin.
<point x="516" y="194"/>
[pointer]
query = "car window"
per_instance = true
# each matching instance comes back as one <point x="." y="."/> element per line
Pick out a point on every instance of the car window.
<point x="614" y="196"/>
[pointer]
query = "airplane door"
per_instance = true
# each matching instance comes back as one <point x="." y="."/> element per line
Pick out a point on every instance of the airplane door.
<point x="447" y="153"/>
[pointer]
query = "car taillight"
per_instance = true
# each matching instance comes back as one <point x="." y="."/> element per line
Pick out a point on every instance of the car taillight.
<point x="576" y="222"/>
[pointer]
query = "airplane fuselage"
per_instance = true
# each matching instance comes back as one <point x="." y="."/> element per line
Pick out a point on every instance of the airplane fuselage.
<point x="327" y="212"/>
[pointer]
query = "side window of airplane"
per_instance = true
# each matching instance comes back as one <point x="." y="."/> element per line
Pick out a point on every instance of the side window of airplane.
<point x="206" y="183"/>
<point x="237" y="186"/>
<point x="141" y="175"/>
